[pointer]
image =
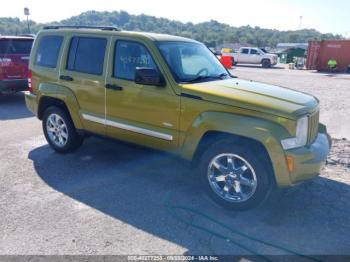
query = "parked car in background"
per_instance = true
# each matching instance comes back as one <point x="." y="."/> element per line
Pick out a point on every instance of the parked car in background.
<point x="225" y="60"/>
<point x="14" y="57"/>
<point x="249" y="55"/>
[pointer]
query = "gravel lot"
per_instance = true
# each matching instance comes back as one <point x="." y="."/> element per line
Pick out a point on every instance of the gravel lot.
<point x="112" y="198"/>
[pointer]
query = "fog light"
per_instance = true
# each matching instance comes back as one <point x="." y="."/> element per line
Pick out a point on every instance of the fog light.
<point x="290" y="163"/>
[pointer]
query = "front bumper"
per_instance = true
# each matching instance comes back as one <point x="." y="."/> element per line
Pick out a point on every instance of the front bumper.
<point x="13" y="85"/>
<point x="31" y="102"/>
<point x="308" y="161"/>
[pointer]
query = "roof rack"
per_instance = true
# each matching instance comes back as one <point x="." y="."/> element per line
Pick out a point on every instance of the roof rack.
<point x="106" y="28"/>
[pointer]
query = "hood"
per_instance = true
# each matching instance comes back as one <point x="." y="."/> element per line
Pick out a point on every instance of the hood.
<point x="255" y="96"/>
<point x="271" y="55"/>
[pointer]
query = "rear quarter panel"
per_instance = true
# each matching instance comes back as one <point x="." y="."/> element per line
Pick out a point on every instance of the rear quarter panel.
<point x="64" y="94"/>
<point x="45" y="80"/>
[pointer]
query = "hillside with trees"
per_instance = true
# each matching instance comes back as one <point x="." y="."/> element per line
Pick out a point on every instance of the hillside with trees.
<point x="212" y="33"/>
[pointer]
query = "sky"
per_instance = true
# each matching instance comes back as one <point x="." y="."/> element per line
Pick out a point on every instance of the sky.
<point x="322" y="15"/>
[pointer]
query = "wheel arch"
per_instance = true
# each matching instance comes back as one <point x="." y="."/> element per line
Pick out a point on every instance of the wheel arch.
<point x="266" y="59"/>
<point x="62" y="97"/>
<point x="47" y="101"/>
<point x="259" y="133"/>
<point x="212" y="136"/>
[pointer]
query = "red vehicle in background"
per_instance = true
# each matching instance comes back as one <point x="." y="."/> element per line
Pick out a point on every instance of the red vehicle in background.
<point x="14" y="57"/>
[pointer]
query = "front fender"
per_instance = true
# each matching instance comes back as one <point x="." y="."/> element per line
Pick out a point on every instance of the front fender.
<point x="66" y="95"/>
<point x="268" y="133"/>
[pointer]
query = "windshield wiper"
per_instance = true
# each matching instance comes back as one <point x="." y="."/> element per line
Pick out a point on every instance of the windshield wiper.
<point x="199" y="78"/>
<point x="221" y="75"/>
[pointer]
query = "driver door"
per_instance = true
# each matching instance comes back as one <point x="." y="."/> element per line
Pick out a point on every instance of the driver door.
<point x="255" y="56"/>
<point x="144" y="114"/>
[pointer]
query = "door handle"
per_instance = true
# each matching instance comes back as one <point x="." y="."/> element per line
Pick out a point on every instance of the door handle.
<point x="66" y="78"/>
<point x="114" y="87"/>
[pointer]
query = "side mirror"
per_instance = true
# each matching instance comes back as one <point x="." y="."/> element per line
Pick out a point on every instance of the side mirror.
<point x="148" y="76"/>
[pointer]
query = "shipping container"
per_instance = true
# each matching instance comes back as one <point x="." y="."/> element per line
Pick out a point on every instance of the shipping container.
<point x="319" y="53"/>
<point x="312" y="55"/>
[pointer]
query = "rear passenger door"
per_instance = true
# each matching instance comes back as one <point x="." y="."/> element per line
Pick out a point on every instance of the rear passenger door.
<point x="244" y="56"/>
<point x="144" y="114"/>
<point x="83" y="71"/>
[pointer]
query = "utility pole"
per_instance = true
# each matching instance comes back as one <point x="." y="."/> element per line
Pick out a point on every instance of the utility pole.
<point x="300" y="19"/>
<point x="26" y="13"/>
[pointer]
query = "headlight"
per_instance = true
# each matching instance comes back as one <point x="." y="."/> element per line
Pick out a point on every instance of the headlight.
<point x="301" y="135"/>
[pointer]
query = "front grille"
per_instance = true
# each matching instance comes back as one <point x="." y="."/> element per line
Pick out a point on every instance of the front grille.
<point x="313" y="127"/>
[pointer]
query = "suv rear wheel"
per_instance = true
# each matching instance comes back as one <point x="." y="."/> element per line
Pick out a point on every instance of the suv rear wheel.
<point x="234" y="176"/>
<point x="59" y="130"/>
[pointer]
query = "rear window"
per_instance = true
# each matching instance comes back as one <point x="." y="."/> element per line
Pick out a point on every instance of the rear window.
<point x="48" y="50"/>
<point x="86" y="55"/>
<point x="15" y="46"/>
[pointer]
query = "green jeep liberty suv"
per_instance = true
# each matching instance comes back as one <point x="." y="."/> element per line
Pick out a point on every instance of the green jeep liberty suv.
<point x="172" y="94"/>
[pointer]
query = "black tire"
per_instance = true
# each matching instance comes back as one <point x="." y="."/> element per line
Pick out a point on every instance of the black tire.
<point x="266" y="63"/>
<point x="258" y="162"/>
<point x="73" y="141"/>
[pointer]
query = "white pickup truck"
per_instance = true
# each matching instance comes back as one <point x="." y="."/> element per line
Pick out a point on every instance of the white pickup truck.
<point x="252" y="55"/>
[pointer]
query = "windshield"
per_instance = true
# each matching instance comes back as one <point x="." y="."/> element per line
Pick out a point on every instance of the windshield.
<point x="10" y="46"/>
<point x="262" y="51"/>
<point x="191" y="62"/>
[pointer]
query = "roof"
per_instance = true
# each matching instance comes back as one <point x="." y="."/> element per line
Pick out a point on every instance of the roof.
<point x="160" y="37"/>
<point x="286" y="50"/>
<point x="292" y="45"/>
<point x="114" y="31"/>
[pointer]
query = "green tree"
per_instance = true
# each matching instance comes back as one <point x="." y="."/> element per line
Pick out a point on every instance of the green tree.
<point x="211" y="33"/>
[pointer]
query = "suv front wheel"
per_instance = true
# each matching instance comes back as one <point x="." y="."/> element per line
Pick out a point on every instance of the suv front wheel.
<point x="59" y="130"/>
<point x="266" y="63"/>
<point x="234" y="176"/>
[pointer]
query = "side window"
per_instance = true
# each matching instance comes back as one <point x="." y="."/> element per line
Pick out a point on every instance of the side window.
<point x="128" y="56"/>
<point x="253" y="51"/>
<point x="245" y="51"/>
<point x="48" y="50"/>
<point x="86" y="55"/>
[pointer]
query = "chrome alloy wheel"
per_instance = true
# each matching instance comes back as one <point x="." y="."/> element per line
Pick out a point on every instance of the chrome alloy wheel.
<point x="232" y="177"/>
<point x="57" y="130"/>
